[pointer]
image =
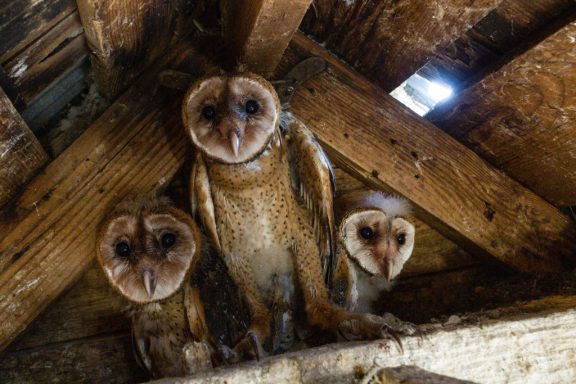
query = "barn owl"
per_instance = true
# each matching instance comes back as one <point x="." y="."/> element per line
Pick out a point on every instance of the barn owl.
<point x="147" y="249"/>
<point x="374" y="242"/>
<point x="265" y="200"/>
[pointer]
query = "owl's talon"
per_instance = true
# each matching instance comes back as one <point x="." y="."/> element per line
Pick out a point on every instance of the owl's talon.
<point x="401" y="327"/>
<point x="250" y="346"/>
<point x="257" y="347"/>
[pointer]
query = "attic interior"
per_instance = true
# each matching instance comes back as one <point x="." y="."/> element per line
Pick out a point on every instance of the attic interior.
<point x="488" y="165"/>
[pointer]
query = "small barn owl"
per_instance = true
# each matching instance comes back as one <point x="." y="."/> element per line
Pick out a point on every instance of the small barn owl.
<point x="374" y="242"/>
<point x="147" y="250"/>
<point x="266" y="201"/>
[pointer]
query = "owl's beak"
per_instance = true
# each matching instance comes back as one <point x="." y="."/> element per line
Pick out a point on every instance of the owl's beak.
<point x="149" y="282"/>
<point x="388" y="264"/>
<point x="234" y="137"/>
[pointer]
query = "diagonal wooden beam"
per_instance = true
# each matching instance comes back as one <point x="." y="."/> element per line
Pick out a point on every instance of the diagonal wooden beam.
<point x="258" y="31"/>
<point x="521" y="118"/>
<point x="371" y="135"/>
<point x="48" y="233"/>
<point x="21" y="155"/>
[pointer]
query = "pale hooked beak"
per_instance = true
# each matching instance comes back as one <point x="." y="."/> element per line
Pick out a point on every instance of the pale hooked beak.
<point x="149" y="282"/>
<point x="234" y="141"/>
<point x="388" y="270"/>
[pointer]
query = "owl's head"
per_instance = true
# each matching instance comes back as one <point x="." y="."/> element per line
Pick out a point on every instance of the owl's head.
<point x="231" y="118"/>
<point x="147" y="248"/>
<point x="375" y="233"/>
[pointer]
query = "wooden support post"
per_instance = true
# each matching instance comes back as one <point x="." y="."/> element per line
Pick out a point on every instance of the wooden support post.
<point x="371" y="135"/>
<point x="126" y="36"/>
<point x="258" y="31"/>
<point x="49" y="232"/>
<point x="529" y="342"/>
<point x="21" y="155"/>
<point x="521" y="118"/>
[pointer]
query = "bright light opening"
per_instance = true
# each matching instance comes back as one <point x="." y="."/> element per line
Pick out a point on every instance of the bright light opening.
<point x="420" y="94"/>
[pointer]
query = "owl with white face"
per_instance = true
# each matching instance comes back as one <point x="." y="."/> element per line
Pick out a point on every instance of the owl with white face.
<point x="147" y="249"/>
<point x="265" y="199"/>
<point x="374" y="242"/>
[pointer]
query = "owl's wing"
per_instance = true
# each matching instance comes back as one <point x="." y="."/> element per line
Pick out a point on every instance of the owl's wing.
<point x="201" y="199"/>
<point x="313" y="180"/>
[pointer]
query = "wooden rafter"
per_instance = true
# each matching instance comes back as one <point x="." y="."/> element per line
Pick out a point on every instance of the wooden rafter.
<point x="258" y="31"/>
<point x="370" y="134"/>
<point x="521" y="118"/>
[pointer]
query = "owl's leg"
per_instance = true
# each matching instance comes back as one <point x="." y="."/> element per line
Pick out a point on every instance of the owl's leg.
<point x="320" y="311"/>
<point x="260" y="316"/>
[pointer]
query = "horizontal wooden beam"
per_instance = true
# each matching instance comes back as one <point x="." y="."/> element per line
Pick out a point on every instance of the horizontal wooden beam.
<point x="521" y="118"/>
<point x="530" y="342"/>
<point x="258" y="31"/>
<point x="377" y="139"/>
<point x="21" y="155"/>
<point x="48" y="233"/>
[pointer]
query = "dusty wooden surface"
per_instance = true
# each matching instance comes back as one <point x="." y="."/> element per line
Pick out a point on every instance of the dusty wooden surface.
<point x="521" y="118"/>
<point x="49" y="231"/>
<point x="529" y="342"/>
<point x="410" y="374"/>
<point x="21" y="154"/>
<point x="389" y="41"/>
<point x="371" y="135"/>
<point x="126" y="36"/>
<point x="56" y="52"/>
<point x="258" y="31"/>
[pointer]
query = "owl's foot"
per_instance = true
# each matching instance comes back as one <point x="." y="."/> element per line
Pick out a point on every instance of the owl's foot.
<point x="399" y="326"/>
<point x="365" y="326"/>
<point x="250" y="346"/>
<point x="197" y="358"/>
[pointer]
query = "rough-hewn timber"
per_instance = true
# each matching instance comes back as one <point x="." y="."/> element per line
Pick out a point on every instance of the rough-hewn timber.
<point x="377" y="139"/>
<point x="521" y="118"/>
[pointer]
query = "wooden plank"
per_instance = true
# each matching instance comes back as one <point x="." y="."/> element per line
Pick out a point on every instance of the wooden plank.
<point x="24" y="21"/>
<point x="126" y="36"/>
<point x="375" y="138"/>
<point x="529" y="342"/>
<point x="21" y="154"/>
<point x="47" y="59"/>
<point x="107" y="359"/>
<point x="521" y="118"/>
<point x="432" y="251"/>
<point x="49" y="231"/>
<point x="388" y="41"/>
<point x="410" y="374"/>
<point x="258" y="31"/>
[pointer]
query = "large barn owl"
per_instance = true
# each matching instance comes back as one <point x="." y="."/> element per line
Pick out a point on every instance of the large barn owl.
<point x="265" y="200"/>
<point x="147" y="249"/>
<point x="374" y="242"/>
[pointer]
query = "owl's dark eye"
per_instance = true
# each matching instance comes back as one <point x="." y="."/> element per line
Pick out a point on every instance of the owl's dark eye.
<point x="252" y="107"/>
<point x="367" y="233"/>
<point x="209" y="112"/>
<point x="401" y="238"/>
<point x="167" y="240"/>
<point x="123" y="249"/>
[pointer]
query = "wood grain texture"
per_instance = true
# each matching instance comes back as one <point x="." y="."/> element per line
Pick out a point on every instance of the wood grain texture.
<point x="432" y="252"/>
<point x="377" y="139"/>
<point x="521" y="118"/>
<point x="388" y="41"/>
<point x="21" y="154"/>
<point x="24" y="21"/>
<point x="258" y="31"/>
<point x="49" y="231"/>
<point x="410" y="374"/>
<point x="528" y="342"/>
<point x="126" y="36"/>
<point x="51" y="56"/>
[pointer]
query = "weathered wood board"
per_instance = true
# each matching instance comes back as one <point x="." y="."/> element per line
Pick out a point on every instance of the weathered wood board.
<point x="371" y="135"/>
<point x="521" y="118"/>
<point x="258" y="31"/>
<point x="21" y="154"/>
<point x="126" y="36"/>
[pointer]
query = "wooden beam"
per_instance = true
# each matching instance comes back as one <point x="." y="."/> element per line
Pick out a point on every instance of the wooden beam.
<point x="521" y="118"/>
<point x="126" y="36"/>
<point x="49" y="231"/>
<point x="388" y="41"/>
<point x="410" y="374"/>
<point x="375" y="138"/>
<point x="529" y="342"/>
<point x="258" y="31"/>
<point x="21" y="154"/>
